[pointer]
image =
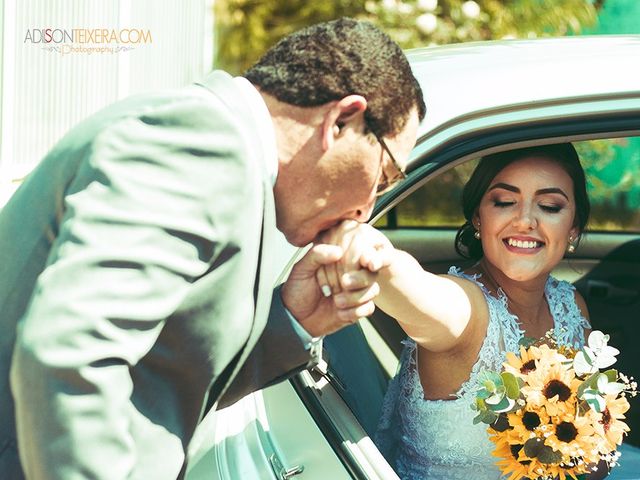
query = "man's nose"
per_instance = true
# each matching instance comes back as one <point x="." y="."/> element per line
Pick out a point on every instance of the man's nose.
<point x="363" y="213"/>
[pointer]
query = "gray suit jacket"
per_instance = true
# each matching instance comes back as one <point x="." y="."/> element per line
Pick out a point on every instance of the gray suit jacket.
<point x="134" y="283"/>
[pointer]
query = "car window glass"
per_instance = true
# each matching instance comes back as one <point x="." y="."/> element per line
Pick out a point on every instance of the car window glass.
<point x="610" y="165"/>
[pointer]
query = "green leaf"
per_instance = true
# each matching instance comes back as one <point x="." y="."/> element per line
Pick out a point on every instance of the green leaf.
<point x="485" y="416"/>
<point x="501" y="424"/>
<point x="501" y="405"/>
<point x="478" y="418"/>
<point x="490" y="380"/>
<point x="511" y="385"/>
<point x="483" y="393"/>
<point x="533" y="446"/>
<point x="589" y="382"/>
<point x="489" y="386"/>
<point x="612" y="374"/>
<point x="526" y="342"/>
<point x="548" y="455"/>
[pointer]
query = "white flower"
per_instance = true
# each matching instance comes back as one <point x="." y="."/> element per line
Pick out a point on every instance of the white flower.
<point x="471" y="9"/>
<point x="597" y="397"/>
<point x="608" y="388"/>
<point x="389" y="5"/>
<point x="427" y="23"/>
<point x="427" y="5"/>
<point x="404" y="8"/>
<point x="596" y="355"/>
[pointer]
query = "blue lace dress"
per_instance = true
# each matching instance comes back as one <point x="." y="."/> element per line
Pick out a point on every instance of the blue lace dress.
<point x="436" y="439"/>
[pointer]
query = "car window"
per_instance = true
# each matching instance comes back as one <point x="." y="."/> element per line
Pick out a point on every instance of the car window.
<point x="610" y="165"/>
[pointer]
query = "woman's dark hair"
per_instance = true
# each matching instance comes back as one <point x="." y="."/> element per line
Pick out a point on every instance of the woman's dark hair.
<point x="330" y="60"/>
<point x="564" y="154"/>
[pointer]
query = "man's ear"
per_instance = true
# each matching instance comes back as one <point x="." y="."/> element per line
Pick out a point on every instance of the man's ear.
<point x="348" y="110"/>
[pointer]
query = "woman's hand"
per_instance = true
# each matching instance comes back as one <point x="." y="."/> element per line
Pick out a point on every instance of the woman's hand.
<point x="364" y="247"/>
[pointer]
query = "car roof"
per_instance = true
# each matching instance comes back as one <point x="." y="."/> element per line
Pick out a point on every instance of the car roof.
<point x="463" y="79"/>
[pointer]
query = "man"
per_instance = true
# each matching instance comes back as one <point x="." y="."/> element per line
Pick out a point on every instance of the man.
<point x="136" y="259"/>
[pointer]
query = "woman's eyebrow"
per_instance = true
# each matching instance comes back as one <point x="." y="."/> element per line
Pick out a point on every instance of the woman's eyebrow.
<point x="504" y="186"/>
<point x="542" y="191"/>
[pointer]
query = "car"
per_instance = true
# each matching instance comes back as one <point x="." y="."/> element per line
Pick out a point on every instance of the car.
<point x="481" y="98"/>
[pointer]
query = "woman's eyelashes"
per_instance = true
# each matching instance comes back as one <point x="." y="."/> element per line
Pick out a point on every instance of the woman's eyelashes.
<point x="503" y="204"/>
<point x="546" y="207"/>
<point x="551" y="208"/>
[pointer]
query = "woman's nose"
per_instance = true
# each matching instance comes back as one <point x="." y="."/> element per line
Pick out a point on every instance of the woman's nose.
<point x="525" y="219"/>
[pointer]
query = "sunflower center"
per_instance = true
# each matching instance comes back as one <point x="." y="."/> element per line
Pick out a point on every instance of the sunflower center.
<point x="530" y="420"/>
<point x="566" y="431"/>
<point x="530" y="366"/>
<point x="515" y="449"/>
<point x="606" y="419"/>
<point x="556" y="387"/>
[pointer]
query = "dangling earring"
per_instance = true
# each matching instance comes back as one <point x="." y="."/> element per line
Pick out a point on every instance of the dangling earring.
<point x="476" y="234"/>
<point x="571" y="248"/>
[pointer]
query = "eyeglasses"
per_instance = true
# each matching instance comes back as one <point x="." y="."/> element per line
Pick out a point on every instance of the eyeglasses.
<point x="387" y="183"/>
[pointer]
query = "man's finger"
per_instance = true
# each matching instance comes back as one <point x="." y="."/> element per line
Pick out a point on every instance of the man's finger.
<point x="323" y="282"/>
<point x="333" y="278"/>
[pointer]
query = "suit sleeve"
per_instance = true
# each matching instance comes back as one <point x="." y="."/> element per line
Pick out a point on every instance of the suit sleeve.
<point x="279" y="354"/>
<point x="135" y="234"/>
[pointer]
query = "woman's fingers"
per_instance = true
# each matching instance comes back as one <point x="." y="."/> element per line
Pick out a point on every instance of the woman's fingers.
<point x="354" y="298"/>
<point x="356" y="304"/>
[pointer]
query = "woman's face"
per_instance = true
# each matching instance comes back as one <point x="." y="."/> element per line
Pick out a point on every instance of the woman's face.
<point x="526" y="218"/>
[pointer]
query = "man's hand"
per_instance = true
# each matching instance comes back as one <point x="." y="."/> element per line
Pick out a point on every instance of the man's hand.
<point x="345" y="266"/>
<point x="321" y="315"/>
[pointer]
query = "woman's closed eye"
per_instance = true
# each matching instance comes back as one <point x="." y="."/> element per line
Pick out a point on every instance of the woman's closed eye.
<point x="551" y="208"/>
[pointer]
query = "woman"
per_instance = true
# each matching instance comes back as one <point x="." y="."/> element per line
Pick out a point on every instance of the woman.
<point x="524" y="209"/>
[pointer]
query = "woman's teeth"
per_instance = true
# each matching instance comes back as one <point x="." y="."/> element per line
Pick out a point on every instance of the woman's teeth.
<point x="523" y="244"/>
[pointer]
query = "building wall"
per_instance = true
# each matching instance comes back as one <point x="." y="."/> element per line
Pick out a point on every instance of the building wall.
<point x="46" y="87"/>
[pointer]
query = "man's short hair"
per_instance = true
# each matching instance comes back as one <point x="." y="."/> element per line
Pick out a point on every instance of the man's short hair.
<point x="328" y="61"/>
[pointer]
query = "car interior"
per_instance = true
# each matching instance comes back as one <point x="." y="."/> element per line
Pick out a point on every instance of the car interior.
<point x="605" y="269"/>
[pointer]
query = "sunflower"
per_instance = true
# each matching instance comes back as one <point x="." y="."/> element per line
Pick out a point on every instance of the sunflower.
<point x="523" y="364"/>
<point x="526" y="423"/>
<point x="608" y="424"/>
<point x="573" y="437"/>
<point x="528" y="420"/>
<point x="553" y="388"/>
<point x="516" y="465"/>
<point x="529" y="358"/>
<point x="509" y="455"/>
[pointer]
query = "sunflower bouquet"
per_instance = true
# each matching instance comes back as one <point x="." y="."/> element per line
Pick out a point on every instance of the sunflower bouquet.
<point x="554" y="412"/>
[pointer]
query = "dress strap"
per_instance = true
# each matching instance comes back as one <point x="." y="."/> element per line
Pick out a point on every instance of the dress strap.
<point x="569" y="322"/>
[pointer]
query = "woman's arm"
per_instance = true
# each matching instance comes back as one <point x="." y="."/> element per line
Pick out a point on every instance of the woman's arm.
<point x="434" y="310"/>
